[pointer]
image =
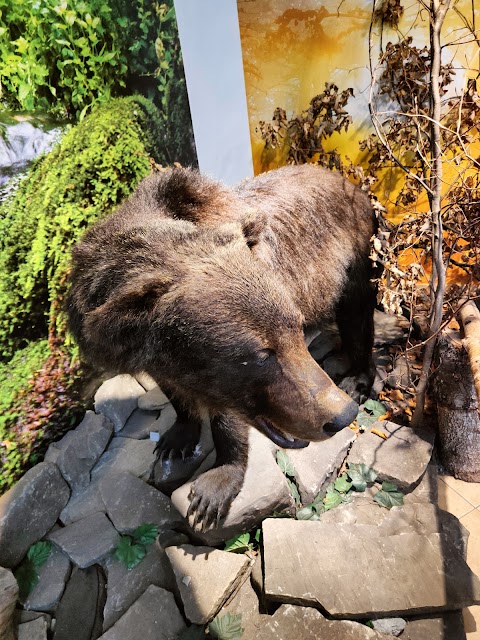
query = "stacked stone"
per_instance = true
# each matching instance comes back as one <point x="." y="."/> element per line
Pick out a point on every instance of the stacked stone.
<point x="403" y="569"/>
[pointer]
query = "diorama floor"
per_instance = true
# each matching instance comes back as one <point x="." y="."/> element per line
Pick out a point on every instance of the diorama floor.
<point x="463" y="500"/>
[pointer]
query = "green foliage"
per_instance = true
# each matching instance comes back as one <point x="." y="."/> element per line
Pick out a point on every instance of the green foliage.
<point x="332" y="499"/>
<point x="371" y="412"/>
<point x="131" y="549"/>
<point x="27" y="573"/>
<point x="389" y="496"/>
<point x="95" y="167"/>
<point x="285" y="464"/>
<point x="226" y="627"/>
<point x="342" y="484"/>
<point x="63" y="53"/>
<point x="361" y="476"/>
<point x="243" y="542"/>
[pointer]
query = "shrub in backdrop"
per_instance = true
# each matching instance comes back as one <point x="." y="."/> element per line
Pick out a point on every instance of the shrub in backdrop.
<point x="96" y="166"/>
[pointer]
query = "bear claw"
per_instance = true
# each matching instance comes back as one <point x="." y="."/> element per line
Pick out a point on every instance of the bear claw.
<point x="211" y="496"/>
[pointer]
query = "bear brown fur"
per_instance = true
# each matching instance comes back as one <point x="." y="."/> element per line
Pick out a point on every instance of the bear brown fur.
<point x="210" y="289"/>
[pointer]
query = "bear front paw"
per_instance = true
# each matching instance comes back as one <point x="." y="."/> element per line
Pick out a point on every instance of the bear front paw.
<point x="212" y="494"/>
<point x="179" y="441"/>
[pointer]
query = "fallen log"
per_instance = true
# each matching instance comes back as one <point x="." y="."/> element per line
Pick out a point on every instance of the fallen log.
<point x="457" y="408"/>
<point x="470" y="317"/>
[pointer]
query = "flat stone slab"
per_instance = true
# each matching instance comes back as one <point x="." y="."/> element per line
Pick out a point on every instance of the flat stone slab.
<point x="126" y="454"/>
<point x="206" y="578"/>
<point x="29" y="509"/>
<point x="52" y="577"/>
<point x="245" y="602"/>
<point x="264" y="492"/>
<point x="8" y="599"/>
<point x="154" y="616"/>
<point x="139" y="425"/>
<point x="125" y="586"/>
<point x="78" y="616"/>
<point x="117" y="398"/>
<point x="448" y="626"/>
<point x="87" y="541"/>
<point x="33" y="630"/>
<point x="291" y="622"/>
<point x="130" y="502"/>
<point x="351" y="572"/>
<point x="317" y="465"/>
<point x="146" y="381"/>
<point x="153" y="400"/>
<point x="78" y="451"/>
<point x="402" y="458"/>
<point x="82" y="504"/>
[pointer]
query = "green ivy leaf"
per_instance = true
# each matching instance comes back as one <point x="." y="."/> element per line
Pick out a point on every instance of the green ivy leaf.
<point x="342" y="484"/>
<point x="389" y="486"/>
<point x="332" y="499"/>
<point x="307" y="513"/>
<point x="39" y="552"/>
<point x="294" y="491"/>
<point x="285" y="463"/>
<point x="238" y="544"/>
<point x="226" y="627"/>
<point x="128" y="553"/>
<point x="376" y="408"/>
<point x="27" y="579"/>
<point x="361" y="475"/>
<point x="365" y="419"/>
<point x="257" y="535"/>
<point x="145" y="533"/>
<point x="389" y="499"/>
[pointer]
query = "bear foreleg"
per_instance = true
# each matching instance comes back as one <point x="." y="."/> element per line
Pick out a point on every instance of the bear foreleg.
<point x="213" y="492"/>
<point x="182" y="438"/>
<point x="355" y="323"/>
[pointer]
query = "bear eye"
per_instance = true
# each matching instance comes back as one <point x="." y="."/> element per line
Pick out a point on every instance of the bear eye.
<point x="264" y="356"/>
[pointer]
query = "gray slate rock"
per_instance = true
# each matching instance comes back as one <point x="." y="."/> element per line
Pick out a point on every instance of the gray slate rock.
<point x="290" y="622"/>
<point x="427" y="488"/>
<point x="389" y="328"/>
<point x="131" y="502"/>
<point x="264" y="492"/>
<point x="448" y="626"/>
<point x="317" y="465"/>
<point x="206" y="578"/>
<point x="125" y="586"/>
<point x="79" y="450"/>
<point x="402" y="458"/>
<point x="8" y="599"/>
<point x="52" y="577"/>
<point x="29" y="509"/>
<point x="170" y="538"/>
<point x="125" y="454"/>
<point x="154" y="616"/>
<point x="82" y="504"/>
<point x="399" y="574"/>
<point x="390" y="626"/>
<point x="33" y="630"/>
<point x="245" y="602"/>
<point x="87" y="541"/>
<point x="153" y="400"/>
<point x="78" y="616"/>
<point x="139" y="425"/>
<point x="117" y="398"/>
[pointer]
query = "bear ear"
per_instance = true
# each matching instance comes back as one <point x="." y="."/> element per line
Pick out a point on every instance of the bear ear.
<point x="253" y="226"/>
<point x="128" y="308"/>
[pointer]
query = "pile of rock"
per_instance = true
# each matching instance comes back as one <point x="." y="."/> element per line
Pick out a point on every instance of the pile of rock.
<point x="402" y="570"/>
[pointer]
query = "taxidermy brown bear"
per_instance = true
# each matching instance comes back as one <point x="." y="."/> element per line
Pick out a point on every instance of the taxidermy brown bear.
<point x="210" y="289"/>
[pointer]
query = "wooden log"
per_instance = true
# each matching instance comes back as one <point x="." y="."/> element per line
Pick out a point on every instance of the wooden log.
<point x="470" y="317"/>
<point x="8" y="599"/>
<point x="457" y="408"/>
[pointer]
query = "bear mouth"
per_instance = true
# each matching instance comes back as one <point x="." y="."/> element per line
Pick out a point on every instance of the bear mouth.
<point x="279" y="437"/>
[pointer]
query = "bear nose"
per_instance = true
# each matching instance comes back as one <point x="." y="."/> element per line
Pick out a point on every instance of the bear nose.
<point x="343" y="419"/>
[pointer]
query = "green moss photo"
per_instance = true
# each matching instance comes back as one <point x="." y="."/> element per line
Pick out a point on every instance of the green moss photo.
<point x="98" y="87"/>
